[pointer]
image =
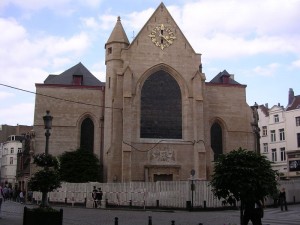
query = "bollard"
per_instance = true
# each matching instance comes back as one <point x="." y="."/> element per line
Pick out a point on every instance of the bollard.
<point x="204" y="204"/>
<point x="116" y="221"/>
<point x="130" y="203"/>
<point x="173" y="222"/>
<point x="150" y="220"/>
<point x="157" y="203"/>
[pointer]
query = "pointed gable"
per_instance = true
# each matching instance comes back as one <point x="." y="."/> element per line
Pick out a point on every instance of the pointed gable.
<point x="118" y="34"/>
<point x="76" y="75"/>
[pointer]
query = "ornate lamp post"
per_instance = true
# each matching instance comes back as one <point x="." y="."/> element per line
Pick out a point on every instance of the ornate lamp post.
<point x="48" y="125"/>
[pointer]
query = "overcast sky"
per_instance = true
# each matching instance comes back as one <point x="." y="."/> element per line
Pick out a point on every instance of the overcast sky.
<point x="258" y="41"/>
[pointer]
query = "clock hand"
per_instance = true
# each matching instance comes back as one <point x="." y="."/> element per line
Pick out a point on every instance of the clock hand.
<point x="167" y="39"/>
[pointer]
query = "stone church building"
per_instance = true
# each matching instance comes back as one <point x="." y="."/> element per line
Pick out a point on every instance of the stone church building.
<point x="156" y="117"/>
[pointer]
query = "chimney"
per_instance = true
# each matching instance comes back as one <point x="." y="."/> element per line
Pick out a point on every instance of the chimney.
<point x="267" y="105"/>
<point x="291" y="96"/>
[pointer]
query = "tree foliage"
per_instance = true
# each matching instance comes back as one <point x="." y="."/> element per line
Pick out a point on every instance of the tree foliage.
<point x="79" y="166"/>
<point x="244" y="175"/>
<point x="47" y="178"/>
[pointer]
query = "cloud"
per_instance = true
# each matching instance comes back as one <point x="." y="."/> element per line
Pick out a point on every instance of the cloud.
<point x="268" y="70"/>
<point x="30" y="58"/>
<point x="66" y="6"/>
<point x="10" y="114"/>
<point x="296" y="63"/>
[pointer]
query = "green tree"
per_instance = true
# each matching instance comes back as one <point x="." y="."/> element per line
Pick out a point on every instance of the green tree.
<point x="79" y="166"/>
<point x="47" y="178"/>
<point x="243" y="175"/>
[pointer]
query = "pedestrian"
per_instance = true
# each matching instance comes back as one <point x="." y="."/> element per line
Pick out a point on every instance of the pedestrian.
<point x="282" y="199"/>
<point x="94" y="196"/>
<point x="21" y="195"/>
<point x="99" y="195"/>
<point x="1" y="198"/>
<point x="253" y="211"/>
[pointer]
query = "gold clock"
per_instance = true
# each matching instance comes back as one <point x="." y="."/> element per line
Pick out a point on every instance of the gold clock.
<point x="162" y="36"/>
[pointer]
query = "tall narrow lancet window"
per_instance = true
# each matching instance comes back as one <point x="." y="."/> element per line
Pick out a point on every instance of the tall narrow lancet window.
<point x="161" y="107"/>
<point x="216" y="139"/>
<point x="87" y="135"/>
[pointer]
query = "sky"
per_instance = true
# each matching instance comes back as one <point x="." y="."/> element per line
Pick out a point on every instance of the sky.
<point x="257" y="41"/>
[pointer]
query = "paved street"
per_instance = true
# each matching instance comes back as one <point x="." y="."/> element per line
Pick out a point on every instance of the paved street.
<point x="12" y="214"/>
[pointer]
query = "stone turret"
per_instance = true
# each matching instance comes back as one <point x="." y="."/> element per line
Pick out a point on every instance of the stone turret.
<point x="116" y="42"/>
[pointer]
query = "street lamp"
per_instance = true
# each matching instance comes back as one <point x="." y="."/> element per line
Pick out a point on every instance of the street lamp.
<point x="48" y="125"/>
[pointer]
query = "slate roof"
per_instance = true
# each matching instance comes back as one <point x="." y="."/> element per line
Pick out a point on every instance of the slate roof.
<point x="66" y="77"/>
<point x="264" y="109"/>
<point x="295" y="103"/>
<point x="218" y="79"/>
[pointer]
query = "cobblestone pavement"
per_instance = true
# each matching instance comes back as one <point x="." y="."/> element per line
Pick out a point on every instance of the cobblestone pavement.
<point x="12" y="214"/>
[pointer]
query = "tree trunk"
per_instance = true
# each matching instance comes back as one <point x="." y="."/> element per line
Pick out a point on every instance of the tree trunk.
<point x="241" y="213"/>
<point x="44" y="202"/>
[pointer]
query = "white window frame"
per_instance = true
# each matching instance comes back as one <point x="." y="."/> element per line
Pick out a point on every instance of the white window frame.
<point x="265" y="131"/>
<point x="274" y="155"/>
<point x="266" y="147"/>
<point x="273" y="135"/>
<point x="282" y="154"/>
<point x="281" y="134"/>
<point x="276" y="118"/>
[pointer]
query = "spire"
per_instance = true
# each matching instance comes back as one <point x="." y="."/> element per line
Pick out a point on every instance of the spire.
<point x="118" y="34"/>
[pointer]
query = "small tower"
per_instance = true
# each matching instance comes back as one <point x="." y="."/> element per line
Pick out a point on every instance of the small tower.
<point x="117" y="42"/>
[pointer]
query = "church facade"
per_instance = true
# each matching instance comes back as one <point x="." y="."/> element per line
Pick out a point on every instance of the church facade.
<point x="155" y="118"/>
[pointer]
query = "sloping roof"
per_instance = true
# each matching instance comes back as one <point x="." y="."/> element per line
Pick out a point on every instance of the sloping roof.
<point x="66" y="77"/>
<point x="218" y="78"/>
<point x="264" y="109"/>
<point x="295" y="103"/>
<point x="118" y="34"/>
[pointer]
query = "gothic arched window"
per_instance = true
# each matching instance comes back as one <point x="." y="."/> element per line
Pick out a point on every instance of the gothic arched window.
<point x="87" y="135"/>
<point x="216" y="139"/>
<point x="161" y="107"/>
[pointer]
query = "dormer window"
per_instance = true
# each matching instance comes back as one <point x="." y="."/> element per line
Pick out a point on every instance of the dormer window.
<point x="77" y="80"/>
<point x="225" y="79"/>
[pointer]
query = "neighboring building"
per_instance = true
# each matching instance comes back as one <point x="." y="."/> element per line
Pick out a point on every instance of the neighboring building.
<point x="11" y="147"/>
<point x="155" y="118"/>
<point x="279" y="141"/>
<point x="5" y="132"/>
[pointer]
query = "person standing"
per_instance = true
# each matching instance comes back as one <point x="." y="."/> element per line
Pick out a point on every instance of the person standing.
<point x="99" y="196"/>
<point x="253" y="211"/>
<point x="94" y="196"/>
<point x="282" y="199"/>
<point x="1" y="198"/>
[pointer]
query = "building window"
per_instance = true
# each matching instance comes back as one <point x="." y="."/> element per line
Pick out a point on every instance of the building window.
<point x="298" y="139"/>
<point x="87" y="135"/>
<point x="273" y="136"/>
<point x="161" y="107"/>
<point x="11" y="150"/>
<point x="282" y="154"/>
<point x="274" y="155"/>
<point x="11" y="160"/>
<point x="265" y="131"/>
<point x="276" y="118"/>
<point x="109" y="50"/>
<point x="216" y="141"/>
<point x="298" y="121"/>
<point x="19" y="150"/>
<point x="281" y="135"/>
<point x="265" y="147"/>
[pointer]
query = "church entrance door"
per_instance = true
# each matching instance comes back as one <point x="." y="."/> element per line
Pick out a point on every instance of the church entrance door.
<point x="163" y="177"/>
